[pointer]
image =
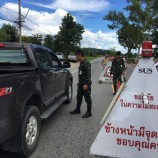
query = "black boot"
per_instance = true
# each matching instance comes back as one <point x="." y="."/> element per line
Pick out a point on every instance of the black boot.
<point x="88" y="113"/>
<point x="76" y="111"/>
<point x="115" y="90"/>
<point x="124" y="79"/>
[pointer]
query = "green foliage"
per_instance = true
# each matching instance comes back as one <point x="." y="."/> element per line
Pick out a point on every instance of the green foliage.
<point x="132" y="39"/>
<point x="154" y="35"/>
<point x="49" y="41"/>
<point x="118" y="19"/>
<point x="3" y="36"/>
<point x="139" y="24"/>
<point x="112" y="52"/>
<point x="92" y="52"/>
<point x="35" y="39"/>
<point x="68" y="38"/>
<point x="8" y="33"/>
<point x="26" y="39"/>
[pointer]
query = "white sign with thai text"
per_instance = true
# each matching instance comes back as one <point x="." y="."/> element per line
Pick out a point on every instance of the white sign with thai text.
<point x="131" y="130"/>
<point x="105" y="76"/>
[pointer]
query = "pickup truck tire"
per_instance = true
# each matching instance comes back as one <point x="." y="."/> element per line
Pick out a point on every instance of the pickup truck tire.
<point x="69" y="94"/>
<point x="30" y="130"/>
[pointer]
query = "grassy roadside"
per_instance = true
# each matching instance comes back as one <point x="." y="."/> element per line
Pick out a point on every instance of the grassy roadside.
<point x="91" y="58"/>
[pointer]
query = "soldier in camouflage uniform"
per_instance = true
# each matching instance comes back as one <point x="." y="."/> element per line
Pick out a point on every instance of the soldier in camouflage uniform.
<point x="84" y="85"/>
<point x="117" y="69"/>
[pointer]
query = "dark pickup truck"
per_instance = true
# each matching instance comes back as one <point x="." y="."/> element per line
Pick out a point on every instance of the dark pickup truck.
<point x="33" y="84"/>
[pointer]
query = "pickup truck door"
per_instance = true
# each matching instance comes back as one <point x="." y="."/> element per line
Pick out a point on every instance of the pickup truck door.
<point x="61" y="75"/>
<point x="47" y="76"/>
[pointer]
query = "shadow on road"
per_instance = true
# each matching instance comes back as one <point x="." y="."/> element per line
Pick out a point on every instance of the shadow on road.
<point x="4" y="154"/>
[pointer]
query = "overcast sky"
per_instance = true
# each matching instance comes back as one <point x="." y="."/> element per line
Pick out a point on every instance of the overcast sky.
<point x="44" y="17"/>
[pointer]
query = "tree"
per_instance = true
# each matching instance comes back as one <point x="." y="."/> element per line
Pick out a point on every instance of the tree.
<point x="118" y="19"/>
<point x="3" y="36"/>
<point x="49" y="41"/>
<point x="35" y="39"/>
<point x="130" y="37"/>
<point x="26" y="39"/>
<point x="124" y="29"/>
<point x="141" y="20"/>
<point x="69" y="36"/>
<point x="155" y="29"/>
<point x="112" y="51"/>
<point x="10" y="33"/>
<point x="155" y="36"/>
<point x="144" y="14"/>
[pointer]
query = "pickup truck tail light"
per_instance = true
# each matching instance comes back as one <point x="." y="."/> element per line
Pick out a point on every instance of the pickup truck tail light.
<point x="2" y="45"/>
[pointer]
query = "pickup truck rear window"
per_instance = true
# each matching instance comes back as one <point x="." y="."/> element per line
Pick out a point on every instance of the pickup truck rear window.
<point x="13" y="56"/>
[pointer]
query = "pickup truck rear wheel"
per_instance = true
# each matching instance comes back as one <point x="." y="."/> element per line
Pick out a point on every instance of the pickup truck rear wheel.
<point x="69" y="94"/>
<point x="31" y="130"/>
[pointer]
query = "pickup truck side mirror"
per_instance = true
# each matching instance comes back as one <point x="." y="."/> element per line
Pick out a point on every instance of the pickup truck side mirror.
<point x="66" y="64"/>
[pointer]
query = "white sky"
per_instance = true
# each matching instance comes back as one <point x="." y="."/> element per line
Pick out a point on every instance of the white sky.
<point x="48" y="23"/>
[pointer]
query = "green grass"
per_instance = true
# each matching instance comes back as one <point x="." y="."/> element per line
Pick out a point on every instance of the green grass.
<point x="91" y="58"/>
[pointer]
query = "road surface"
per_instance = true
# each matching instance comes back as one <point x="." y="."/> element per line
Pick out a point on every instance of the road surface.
<point x="70" y="136"/>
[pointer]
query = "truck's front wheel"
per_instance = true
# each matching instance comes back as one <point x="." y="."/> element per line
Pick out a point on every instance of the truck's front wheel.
<point x="30" y="130"/>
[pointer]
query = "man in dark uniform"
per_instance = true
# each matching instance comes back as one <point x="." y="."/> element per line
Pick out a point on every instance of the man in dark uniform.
<point x="84" y="85"/>
<point x="117" y="69"/>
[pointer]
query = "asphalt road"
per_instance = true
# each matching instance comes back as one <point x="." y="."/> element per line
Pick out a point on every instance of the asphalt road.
<point x="70" y="136"/>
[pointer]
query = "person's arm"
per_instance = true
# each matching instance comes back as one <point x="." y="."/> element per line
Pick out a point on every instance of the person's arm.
<point x="112" y="67"/>
<point x="87" y="77"/>
<point x="87" y="73"/>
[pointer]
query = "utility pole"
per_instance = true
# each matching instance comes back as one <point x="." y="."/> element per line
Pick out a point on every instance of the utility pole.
<point x="19" y="4"/>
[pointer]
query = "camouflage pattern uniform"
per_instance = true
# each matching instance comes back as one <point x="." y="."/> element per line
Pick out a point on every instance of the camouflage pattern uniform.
<point x="84" y="76"/>
<point x="117" y="69"/>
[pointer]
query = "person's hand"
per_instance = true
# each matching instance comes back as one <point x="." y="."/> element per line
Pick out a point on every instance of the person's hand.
<point x="85" y="87"/>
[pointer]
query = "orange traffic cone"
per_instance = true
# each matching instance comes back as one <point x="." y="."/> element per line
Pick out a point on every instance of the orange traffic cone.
<point x="118" y="85"/>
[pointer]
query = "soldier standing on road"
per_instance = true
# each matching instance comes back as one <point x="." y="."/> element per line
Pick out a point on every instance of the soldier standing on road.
<point x="84" y="85"/>
<point x="117" y="69"/>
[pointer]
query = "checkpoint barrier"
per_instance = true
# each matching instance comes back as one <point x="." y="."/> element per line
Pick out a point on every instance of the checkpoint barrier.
<point x="105" y="75"/>
<point x="130" y="128"/>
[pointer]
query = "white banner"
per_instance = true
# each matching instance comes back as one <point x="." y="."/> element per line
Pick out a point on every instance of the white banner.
<point x="105" y="75"/>
<point x="131" y="130"/>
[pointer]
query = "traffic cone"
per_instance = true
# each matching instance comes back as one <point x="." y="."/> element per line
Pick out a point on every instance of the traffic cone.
<point x="118" y="85"/>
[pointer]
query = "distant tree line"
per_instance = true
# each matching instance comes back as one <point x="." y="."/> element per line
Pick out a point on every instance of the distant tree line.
<point x="9" y="33"/>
